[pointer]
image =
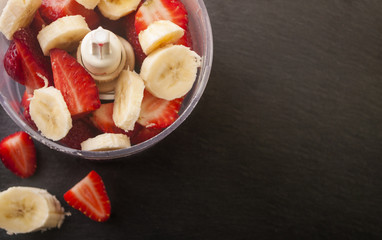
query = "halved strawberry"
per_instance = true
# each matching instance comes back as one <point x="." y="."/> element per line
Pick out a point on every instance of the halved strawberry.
<point x="52" y="10"/>
<point x="13" y="65"/>
<point x="82" y="130"/>
<point x="132" y="38"/>
<point x="25" y="62"/>
<point x="144" y="134"/>
<point x="75" y="83"/>
<point x="158" y="113"/>
<point x="38" y="22"/>
<point x="154" y="10"/>
<point x="18" y="153"/>
<point x="102" y="118"/>
<point x="90" y="197"/>
<point x="25" y="102"/>
<point x="172" y="10"/>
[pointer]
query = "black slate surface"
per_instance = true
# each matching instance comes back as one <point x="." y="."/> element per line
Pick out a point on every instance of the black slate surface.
<point x="284" y="144"/>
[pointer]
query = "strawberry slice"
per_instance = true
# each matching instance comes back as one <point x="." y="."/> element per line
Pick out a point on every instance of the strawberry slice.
<point x="172" y="10"/>
<point x="52" y="10"/>
<point x="154" y="10"/>
<point x="25" y="62"/>
<point x="144" y="134"/>
<point x="102" y="118"/>
<point x="82" y="130"/>
<point x="38" y="22"/>
<point x="132" y="38"/>
<point x="25" y="102"/>
<point x="90" y="197"/>
<point x="13" y="65"/>
<point x="75" y="83"/>
<point x="18" y="153"/>
<point x="158" y="113"/>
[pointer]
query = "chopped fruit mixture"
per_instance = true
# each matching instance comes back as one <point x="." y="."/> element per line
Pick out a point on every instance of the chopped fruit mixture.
<point x="89" y="196"/>
<point x="77" y="58"/>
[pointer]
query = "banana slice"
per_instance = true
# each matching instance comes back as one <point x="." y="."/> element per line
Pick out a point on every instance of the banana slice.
<point x="106" y="142"/>
<point x="17" y="14"/>
<point x="114" y="10"/>
<point x="50" y="113"/>
<point x="127" y="100"/>
<point x="170" y="72"/>
<point x="89" y="4"/>
<point x="28" y="209"/>
<point x="158" y="34"/>
<point x="64" y="33"/>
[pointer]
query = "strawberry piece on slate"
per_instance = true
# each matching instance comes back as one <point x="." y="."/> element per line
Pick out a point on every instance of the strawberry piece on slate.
<point x="89" y="196"/>
<point x="82" y="130"/>
<point x="172" y="10"/>
<point x="158" y="113"/>
<point x="18" y="154"/>
<point x="75" y="83"/>
<point x="25" y="62"/>
<point x="52" y="10"/>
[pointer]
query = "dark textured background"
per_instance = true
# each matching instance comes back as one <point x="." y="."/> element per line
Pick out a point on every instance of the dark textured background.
<point x="284" y="144"/>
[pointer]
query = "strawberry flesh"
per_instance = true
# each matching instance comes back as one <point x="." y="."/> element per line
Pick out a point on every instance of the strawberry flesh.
<point x="154" y="10"/>
<point x="25" y="62"/>
<point x="75" y="83"/>
<point x="89" y="196"/>
<point x="52" y="10"/>
<point x="132" y="38"/>
<point x="18" y="154"/>
<point x="102" y="118"/>
<point x="158" y="113"/>
<point x="38" y="22"/>
<point x="25" y="102"/>
<point x="13" y="65"/>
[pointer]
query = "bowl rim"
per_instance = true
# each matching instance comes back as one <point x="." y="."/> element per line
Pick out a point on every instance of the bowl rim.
<point x="203" y="75"/>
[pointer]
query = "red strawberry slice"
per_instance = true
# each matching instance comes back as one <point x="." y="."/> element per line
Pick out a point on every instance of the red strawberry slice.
<point x="75" y="83"/>
<point x="13" y="65"/>
<point x="82" y="129"/>
<point x="172" y="10"/>
<point x="90" y="197"/>
<point x="25" y="102"/>
<point x="158" y="113"/>
<point x="18" y="153"/>
<point x="144" y="134"/>
<point x="25" y="62"/>
<point x="154" y="10"/>
<point x="132" y="38"/>
<point x="38" y="22"/>
<point x="102" y="118"/>
<point x="52" y="10"/>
